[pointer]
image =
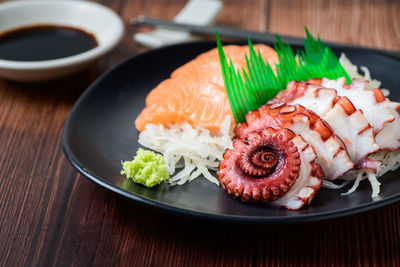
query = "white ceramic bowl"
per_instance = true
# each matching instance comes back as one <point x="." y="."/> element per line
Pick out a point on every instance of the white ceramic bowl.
<point x="91" y="17"/>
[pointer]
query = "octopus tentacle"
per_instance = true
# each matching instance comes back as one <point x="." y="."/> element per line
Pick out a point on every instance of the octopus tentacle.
<point x="245" y="177"/>
<point x="346" y="121"/>
<point x="331" y="132"/>
<point x="308" y="182"/>
<point x="331" y="151"/>
<point x="259" y="163"/>
<point x="295" y="90"/>
<point x="381" y="113"/>
<point x="292" y="183"/>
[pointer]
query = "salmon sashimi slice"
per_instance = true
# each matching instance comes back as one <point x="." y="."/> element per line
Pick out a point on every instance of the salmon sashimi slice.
<point x="195" y="93"/>
<point x="200" y="104"/>
<point x="207" y="66"/>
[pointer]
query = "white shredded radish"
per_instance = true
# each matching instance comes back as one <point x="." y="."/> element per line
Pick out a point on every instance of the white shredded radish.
<point x="331" y="185"/>
<point x="356" y="183"/>
<point x="374" y="183"/>
<point x="390" y="161"/>
<point x="192" y="149"/>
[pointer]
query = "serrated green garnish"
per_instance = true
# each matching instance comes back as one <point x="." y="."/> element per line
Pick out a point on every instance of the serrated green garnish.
<point x="248" y="90"/>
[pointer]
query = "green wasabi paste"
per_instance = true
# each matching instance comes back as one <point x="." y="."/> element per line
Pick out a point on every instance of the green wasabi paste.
<point x="146" y="168"/>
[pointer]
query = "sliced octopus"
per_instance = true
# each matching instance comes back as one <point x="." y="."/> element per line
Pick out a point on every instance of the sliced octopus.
<point x="331" y="151"/>
<point x="312" y="130"/>
<point x="346" y="121"/>
<point x="363" y="106"/>
<point x="379" y="111"/>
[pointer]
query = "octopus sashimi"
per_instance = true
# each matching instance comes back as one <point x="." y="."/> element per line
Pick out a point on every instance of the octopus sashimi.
<point x="347" y="123"/>
<point x="354" y="133"/>
<point x="307" y="184"/>
<point x="379" y="111"/>
<point x="271" y="165"/>
<point x="195" y="93"/>
<point x="331" y="152"/>
<point x="350" y="125"/>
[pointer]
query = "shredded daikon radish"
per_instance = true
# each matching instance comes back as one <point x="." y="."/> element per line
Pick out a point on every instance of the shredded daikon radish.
<point x="195" y="148"/>
<point x="374" y="183"/>
<point x="356" y="183"/>
<point x="331" y="185"/>
<point x="390" y="161"/>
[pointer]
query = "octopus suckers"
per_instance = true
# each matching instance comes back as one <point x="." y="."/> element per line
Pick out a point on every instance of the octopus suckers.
<point x="267" y="165"/>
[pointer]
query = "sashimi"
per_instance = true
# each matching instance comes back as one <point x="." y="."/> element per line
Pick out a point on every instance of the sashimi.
<point x="195" y="92"/>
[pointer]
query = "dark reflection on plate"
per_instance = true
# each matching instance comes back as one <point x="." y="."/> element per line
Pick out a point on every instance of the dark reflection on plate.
<point x="100" y="132"/>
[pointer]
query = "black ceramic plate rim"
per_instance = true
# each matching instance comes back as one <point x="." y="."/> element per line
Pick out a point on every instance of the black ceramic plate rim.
<point x="225" y="218"/>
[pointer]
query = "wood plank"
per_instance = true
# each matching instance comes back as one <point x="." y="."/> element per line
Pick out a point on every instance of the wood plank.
<point x="35" y="174"/>
<point x="370" y="23"/>
<point x="369" y="238"/>
<point x="251" y="14"/>
<point x="51" y="215"/>
<point x="36" y="179"/>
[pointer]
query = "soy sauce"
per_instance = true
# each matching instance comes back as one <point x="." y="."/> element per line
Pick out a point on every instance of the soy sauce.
<point x="44" y="42"/>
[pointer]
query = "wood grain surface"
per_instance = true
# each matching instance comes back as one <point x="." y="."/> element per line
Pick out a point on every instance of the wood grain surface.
<point x="52" y="216"/>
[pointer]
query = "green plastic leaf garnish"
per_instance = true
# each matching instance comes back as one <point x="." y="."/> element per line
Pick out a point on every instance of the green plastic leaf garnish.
<point x="248" y="90"/>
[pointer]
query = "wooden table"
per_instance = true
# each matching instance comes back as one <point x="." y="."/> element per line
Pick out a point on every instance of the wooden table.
<point x="51" y="215"/>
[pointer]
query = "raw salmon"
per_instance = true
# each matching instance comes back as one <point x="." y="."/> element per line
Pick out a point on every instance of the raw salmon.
<point x="195" y="92"/>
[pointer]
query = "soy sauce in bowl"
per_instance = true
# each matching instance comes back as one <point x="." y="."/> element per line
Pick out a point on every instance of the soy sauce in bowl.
<point x="44" y="42"/>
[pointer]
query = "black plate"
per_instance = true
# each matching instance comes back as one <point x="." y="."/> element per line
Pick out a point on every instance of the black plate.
<point x="100" y="132"/>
